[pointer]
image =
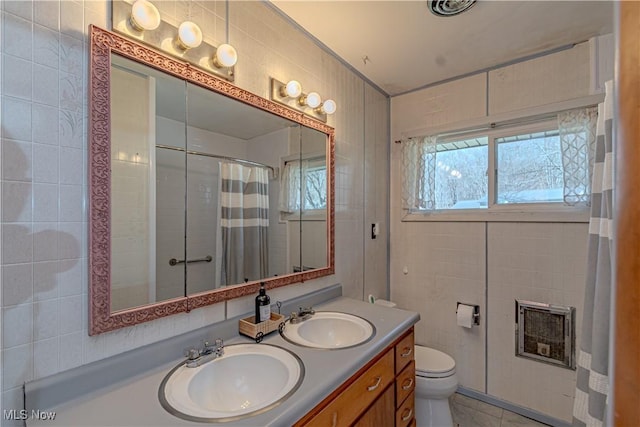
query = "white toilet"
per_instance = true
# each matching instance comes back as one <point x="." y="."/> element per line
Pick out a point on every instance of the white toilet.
<point x="435" y="381"/>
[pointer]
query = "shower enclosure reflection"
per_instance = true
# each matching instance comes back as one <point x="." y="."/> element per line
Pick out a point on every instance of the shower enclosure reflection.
<point x="207" y="192"/>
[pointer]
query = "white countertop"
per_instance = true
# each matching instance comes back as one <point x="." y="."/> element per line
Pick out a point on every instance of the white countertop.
<point x="134" y="402"/>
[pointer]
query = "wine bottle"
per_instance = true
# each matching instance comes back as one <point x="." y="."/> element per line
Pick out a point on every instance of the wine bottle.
<point x="263" y="305"/>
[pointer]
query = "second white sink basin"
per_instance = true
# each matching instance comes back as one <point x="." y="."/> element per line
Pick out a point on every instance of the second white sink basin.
<point x="329" y="330"/>
<point x="248" y="379"/>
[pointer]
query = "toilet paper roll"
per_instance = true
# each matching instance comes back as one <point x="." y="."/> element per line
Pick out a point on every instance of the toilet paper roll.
<point x="465" y="315"/>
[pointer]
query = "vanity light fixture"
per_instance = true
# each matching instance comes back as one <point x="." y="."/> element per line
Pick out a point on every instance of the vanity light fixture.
<point x="291" y="95"/>
<point x="144" y="16"/>
<point x="312" y="99"/>
<point x="226" y="56"/>
<point x="189" y="35"/>
<point x="292" y="89"/>
<point x="141" y="21"/>
<point x="328" y="107"/>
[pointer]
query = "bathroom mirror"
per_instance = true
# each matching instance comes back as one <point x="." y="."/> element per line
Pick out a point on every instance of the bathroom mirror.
<point x="199" y="190"/>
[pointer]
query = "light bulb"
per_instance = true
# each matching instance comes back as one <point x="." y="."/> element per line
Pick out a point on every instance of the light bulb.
<point x="144" y="16"/>
<point x="292" y="89"/>
<point x="189" y="35"/>
<point x="329" y="106"/>
<point x="226" y="56"/>
<point x="313" y="100"/>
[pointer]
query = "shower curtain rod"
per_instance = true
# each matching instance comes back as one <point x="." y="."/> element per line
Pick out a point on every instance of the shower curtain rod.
<point x="216" y="156"/>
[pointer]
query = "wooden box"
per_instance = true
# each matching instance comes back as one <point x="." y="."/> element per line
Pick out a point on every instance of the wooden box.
<point x="258" y="331"/>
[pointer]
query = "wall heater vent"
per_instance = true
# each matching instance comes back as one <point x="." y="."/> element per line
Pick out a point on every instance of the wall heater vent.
<point x="546" y="333"/>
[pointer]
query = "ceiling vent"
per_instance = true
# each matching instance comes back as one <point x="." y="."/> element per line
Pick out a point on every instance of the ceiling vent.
<point x="449" y="7"/>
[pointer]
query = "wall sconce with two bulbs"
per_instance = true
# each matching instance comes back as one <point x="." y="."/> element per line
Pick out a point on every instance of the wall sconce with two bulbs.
<point x="309" y="103"/>
<point x="142" y="21"/>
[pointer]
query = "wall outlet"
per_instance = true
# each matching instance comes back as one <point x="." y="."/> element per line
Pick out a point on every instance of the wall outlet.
<point x="544" y="349"/>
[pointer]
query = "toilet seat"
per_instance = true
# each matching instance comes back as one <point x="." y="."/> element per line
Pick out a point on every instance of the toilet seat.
<point x="431" y="363"/>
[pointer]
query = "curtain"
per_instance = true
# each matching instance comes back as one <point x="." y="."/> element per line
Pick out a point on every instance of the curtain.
<point x="244" y="222"/>
<point x="419" y="173"/>
<point x="577" y="129"/>
<point x="592" y="387"/>
<point x="291" y="186"/>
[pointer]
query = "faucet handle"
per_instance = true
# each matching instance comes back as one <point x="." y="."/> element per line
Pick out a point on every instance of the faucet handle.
<point x="192" y="354"/>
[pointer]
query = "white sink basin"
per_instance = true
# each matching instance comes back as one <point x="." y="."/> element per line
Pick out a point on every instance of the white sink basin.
<point x="248" y="379"/>
<point x="329" y="330"/>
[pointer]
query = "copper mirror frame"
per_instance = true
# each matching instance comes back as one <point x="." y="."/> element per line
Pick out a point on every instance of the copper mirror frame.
<point x="101" y="319"/>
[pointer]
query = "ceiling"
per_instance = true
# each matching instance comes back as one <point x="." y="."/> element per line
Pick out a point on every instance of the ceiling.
<point x="401" y="46"/>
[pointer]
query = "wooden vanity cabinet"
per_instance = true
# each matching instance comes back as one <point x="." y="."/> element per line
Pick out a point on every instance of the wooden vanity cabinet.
<point x="379" y="394"/>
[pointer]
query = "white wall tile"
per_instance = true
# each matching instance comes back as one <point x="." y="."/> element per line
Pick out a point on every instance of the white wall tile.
<point x="16" y="77"/>
<point x="70" y="240"/>
<point x="46" y="43"/>
<point x="45" y="163"/>
<point x="17" y="284"/>
<point x="47" y="13"/>
<point x="16" y="120"/>
<point x="45" y="357"/>
<point x="20" y="193"/>
<point x="17" y="39"/>
<point x="23" y="9"/>
<point x="45" y="86"/>
<point x="17" y="325"/>
<point x="71" y="203"/>
<point x="72" y="19"/>
<point x="45" y="284"/>
<point x="45" y="319"/>
<point x="45" y="241"/>
<point x="16" y="161"/>
<point x="70" y="314"/>
<point x="45" y="202"/>
<point x="17" y="243"/>
<point x="70" y="352"/>
<point x="552" y="78"/>
<point x="17" y="363"/>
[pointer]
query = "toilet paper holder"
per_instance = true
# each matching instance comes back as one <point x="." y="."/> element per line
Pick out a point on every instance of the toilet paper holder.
<point x="476" y="311"/>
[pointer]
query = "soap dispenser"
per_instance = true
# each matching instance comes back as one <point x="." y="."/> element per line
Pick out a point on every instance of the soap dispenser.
<point x="263" y="305"/>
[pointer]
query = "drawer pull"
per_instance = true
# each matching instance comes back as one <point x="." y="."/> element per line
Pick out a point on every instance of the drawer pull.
<point x="407" y="352"/>
<point x="409" y="414"/>
<point x="375" y="386"/>
<point x="334" y="419"/>
<point x="408" y="383"/>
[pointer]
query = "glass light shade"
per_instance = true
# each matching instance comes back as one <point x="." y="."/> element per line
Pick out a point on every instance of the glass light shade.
<point x="313" y="100"/>
<point x="292" y="89"/>
<point x="144" y="15"/>
<point x="189" y="35"/>
<point x="329" y="106"/>
<point x="226" y="56"/>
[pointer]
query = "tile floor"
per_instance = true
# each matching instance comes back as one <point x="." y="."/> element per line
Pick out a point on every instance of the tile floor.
<point x="468" y="412"/>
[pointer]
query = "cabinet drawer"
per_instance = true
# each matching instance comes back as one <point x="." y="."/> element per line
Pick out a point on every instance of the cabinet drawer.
<point x="406" y="412"/>
<point x="348" y="406"/>
<point x="404" y="352"/>
<point x="405" y="383"/>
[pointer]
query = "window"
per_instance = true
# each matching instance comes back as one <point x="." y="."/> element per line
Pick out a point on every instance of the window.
<point x="315" y="188"/>
<point x="303" y="186"/>
<point x="529" y="168"/>
<point x="539" y="167"/>
<point x="461" y="174"/>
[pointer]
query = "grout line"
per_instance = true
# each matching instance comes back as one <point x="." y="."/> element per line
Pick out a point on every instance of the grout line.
<point x="486" y="307"/>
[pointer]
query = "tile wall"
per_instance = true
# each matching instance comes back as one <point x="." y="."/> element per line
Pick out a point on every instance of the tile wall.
<point x="44" y="174"/>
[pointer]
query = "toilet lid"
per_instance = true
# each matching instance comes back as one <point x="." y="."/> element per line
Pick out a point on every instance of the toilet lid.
<point x="433" y="363"/>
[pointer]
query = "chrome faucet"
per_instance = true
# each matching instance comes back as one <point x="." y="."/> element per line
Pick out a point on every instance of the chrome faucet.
<point x="303" y="314"/>
<point x="208" y="352"/>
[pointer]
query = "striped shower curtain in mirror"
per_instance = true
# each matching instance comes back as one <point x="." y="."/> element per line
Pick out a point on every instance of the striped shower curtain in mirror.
<point x="592" y="387"/>
<point x="244" y="222"/>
